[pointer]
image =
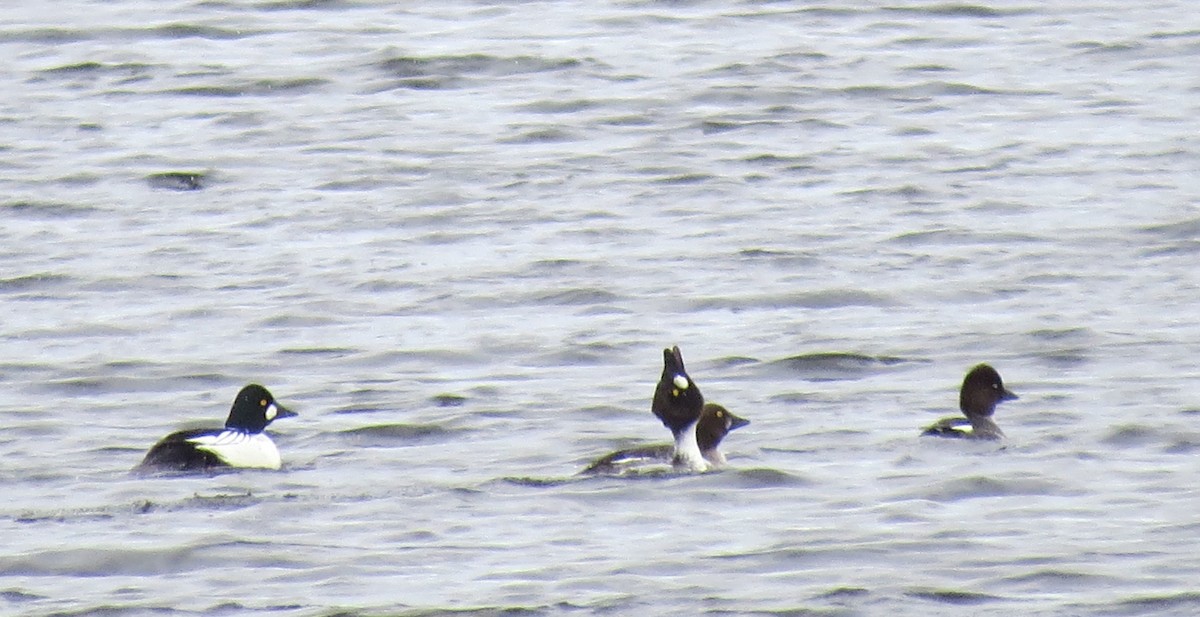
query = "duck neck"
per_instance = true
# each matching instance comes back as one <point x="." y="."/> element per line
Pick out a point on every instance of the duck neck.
<point x="982" y="427"/>
<point x="687" y="451"/>
<point x="714" y="457"/>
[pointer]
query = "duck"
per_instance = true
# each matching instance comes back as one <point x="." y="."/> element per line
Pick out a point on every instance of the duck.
<point x="982" y="389"/>
<point x="715" y="423"/>
<point x="678" y="404"/>
<point x="242" y="443"/>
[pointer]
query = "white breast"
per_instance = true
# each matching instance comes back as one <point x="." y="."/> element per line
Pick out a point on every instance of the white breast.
<point x="238" y="449"/>
<point x="687" y="452"/>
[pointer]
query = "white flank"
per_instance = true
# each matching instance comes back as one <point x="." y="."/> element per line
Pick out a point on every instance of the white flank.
<point x="639" y="465"/>
<point x="687" y="451"/>
<point x="238" y="449"/>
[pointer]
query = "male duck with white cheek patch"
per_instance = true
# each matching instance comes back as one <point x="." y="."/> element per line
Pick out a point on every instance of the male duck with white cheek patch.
<point x="678" y="404"/>
<point x="243" y="443"/>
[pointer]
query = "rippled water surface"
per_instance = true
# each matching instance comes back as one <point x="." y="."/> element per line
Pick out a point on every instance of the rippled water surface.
<point x="456" y="237"/>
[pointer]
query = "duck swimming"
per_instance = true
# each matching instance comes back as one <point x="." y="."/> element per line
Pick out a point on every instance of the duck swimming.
<point x="715" y="423"/>
<point x="678" y="404"/>
<point x="243" y="442"/>
<point x="981" y="391"/>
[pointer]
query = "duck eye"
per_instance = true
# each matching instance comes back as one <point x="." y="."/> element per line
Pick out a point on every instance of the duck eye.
<point x="720" y="414"/>
<point x="262" y="403"/>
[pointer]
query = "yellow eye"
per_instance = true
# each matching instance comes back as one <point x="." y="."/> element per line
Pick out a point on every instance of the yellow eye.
<point x="720" y="414"/>
<point x="262" y="403"/>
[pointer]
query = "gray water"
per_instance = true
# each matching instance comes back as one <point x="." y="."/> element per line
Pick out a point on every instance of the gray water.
<point x="456" y="237"/>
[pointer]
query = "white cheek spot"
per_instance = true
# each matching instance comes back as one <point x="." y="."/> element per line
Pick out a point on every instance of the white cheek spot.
<point x="272" y="411"/>
<point x="681" y="382"/>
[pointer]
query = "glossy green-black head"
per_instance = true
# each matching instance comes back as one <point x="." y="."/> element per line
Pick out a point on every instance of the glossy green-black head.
<point x="255" y="408"/>
<point x="677" y="399"/>
<point x="715" y="424"/>
<point x="981" y="391"/>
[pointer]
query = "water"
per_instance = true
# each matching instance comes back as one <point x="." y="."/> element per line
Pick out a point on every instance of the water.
<point x="455" y="238"/>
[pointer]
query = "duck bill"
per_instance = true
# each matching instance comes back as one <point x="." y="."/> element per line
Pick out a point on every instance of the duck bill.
<point x="673" y="360"/>
<point x="736" y="422"/>
<point x="283" y="412"/>
<point x="1007" y="395"/>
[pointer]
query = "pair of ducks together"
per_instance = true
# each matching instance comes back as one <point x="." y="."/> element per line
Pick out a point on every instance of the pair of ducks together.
<point x="698" y="428"/>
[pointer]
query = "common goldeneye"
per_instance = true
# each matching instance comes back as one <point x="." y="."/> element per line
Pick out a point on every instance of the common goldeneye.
<point x="715" y="423"/>
<point x="981" y="391"/>
<point x="678" y="403"/>
<point x="242" y="443"/>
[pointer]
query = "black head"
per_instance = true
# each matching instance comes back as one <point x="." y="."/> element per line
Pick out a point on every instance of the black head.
<point x="715" y="424"/>
<point x="677" y="399"/>
<point x="981" y="391"/>
<point x="255" y="408"/>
